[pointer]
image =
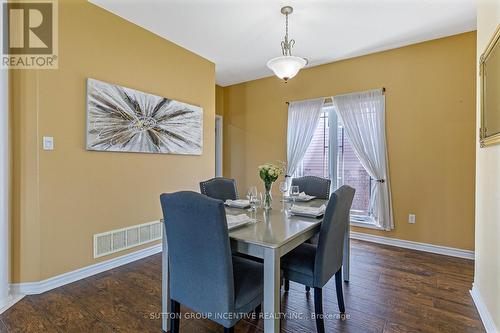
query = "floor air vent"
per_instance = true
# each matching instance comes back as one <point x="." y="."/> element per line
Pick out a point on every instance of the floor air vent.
<point x="118" y="240"/>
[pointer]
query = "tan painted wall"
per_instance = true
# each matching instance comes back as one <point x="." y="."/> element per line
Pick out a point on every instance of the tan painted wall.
<point x="487" y="272"/>
<point x="219" y="100"/>
<point x="430" y="130"/>
<point x="62" y="197"/>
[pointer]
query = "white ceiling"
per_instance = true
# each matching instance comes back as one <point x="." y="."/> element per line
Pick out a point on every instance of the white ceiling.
<point x="239" y="36"/>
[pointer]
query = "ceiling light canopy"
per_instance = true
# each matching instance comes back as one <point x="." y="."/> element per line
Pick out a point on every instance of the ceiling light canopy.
<point x="286" y="66"/>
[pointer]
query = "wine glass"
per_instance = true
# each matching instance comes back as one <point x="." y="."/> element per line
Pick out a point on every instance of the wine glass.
<point x="252" y="197"/>
<point x="259" y="200"/>
<point x="254" y="191"/>
<point x="294" y="192"/>
<point x="283" y="190"/>
<point x="249" y="193"/>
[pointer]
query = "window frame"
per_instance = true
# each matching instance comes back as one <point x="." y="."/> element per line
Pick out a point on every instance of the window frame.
<point x="364" y="221"/>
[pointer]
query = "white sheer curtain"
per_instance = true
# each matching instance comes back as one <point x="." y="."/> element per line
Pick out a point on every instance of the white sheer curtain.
<point x="363" y="116"/>
<point x="303" y="118"/>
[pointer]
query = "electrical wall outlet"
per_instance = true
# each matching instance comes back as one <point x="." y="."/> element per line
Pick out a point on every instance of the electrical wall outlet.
<point x="411" y="218"/>
<point x="48" y="143"/>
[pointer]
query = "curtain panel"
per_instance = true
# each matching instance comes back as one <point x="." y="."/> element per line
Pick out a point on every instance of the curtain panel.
<point x="363" y="116"/>
<point x="303" y="118"/>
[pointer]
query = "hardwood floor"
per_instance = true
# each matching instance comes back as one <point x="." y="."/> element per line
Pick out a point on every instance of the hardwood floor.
<point x="391" y="290"/>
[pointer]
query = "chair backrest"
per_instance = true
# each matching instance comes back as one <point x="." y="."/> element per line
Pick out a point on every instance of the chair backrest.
<point x="330" y="248"/>
<point x="200" y="259"/>
<point x="219" y="188"/>
<point x="312" y="185"/>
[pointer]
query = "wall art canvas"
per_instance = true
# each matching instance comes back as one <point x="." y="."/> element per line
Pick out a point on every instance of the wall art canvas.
<point x="126" y="120"/>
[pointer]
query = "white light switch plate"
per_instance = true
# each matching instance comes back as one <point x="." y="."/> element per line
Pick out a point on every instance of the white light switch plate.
<point x="48" y="143"/>
<point x="411" y="218"/>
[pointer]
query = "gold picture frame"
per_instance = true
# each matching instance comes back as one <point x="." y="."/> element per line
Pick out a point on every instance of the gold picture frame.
<point x="493" y="48"/>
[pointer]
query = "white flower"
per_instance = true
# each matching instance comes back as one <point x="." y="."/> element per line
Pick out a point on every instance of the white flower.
<point x="271" y="170"/>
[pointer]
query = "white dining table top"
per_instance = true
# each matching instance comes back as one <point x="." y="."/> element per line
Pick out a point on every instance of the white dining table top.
<point x="274" y="228"/>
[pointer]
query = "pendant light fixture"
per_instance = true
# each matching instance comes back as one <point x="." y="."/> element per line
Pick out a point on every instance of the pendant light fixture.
<point x="286" y="66"/>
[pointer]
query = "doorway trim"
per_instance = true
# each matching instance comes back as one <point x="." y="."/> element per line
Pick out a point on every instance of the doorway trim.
<point x="5" y="295"/>
<point x="219" y="133"/>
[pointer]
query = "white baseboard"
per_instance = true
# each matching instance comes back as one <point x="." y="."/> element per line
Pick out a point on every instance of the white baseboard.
<point x="485" y="315"/>
<point x="32" y="288"/>
<point x="447" y="251"/>
<point x="13" y="299"/>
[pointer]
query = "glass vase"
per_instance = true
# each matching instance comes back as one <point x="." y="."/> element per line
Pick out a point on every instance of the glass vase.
<point x="268" y="198"/>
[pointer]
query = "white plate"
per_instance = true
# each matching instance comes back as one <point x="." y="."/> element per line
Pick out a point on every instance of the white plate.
<point x="308" y="214"/>
<point x="301" y="199"/>
<point x="238" y="224"/>
<point x="236" y="204"/>
<point x="309" y="211"/>
<point x="236" y="221"/>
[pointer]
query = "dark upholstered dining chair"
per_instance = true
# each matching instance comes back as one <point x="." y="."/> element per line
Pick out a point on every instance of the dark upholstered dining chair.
<point x="204" y="276"/>
<point x="314" y="265"/>
<point x="317" y="186"/>
<point x="312" y="185"/>
<point x="219" y="188"/>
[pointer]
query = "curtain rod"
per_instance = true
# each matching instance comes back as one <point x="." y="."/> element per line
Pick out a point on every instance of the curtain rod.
<point x="329" y="98"/>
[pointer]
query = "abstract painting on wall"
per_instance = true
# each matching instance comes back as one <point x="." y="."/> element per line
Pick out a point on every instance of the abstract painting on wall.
<point x="126" y="120"/>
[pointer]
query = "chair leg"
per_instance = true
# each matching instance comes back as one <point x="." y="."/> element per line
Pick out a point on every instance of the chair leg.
<point x="229" y="330"/>
<point x="308" y="288"/>
<point x="340" y="293"/>
<point x="287" y="284"/>
<point x="175" y="311"/>
<point x="318" y="310"/>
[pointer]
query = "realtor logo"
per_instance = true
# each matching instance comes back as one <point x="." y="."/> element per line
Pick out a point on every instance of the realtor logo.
<point x="29" y="38"/>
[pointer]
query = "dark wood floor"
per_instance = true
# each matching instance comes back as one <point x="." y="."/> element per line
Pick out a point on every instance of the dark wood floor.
<point x="391" y="290"/>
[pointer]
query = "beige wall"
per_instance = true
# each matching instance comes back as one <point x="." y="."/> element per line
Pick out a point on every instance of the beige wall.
<point x="219" y="100"/>
<point x="487" y="280"/>
<point x="430" y="130"/>
<point x="62" y="197"/>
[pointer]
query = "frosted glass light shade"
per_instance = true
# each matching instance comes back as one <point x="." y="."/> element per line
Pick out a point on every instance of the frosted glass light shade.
<point x="286" y="67"/>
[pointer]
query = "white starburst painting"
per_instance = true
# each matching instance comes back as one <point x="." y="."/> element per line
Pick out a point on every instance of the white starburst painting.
<point x="126" y="120"/>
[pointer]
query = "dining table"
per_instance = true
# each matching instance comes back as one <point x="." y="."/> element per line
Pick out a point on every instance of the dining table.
<point x="274" y="233"/>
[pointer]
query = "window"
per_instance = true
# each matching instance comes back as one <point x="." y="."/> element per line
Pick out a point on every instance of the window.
<point x="349" y="170"/>
<point x="315" y="161"/>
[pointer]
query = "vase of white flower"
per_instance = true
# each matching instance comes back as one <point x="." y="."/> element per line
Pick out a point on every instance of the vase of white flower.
<point x="269" y="173"/>
<point x="268" y="197"/>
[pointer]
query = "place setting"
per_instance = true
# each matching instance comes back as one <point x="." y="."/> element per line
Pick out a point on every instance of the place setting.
<point x="307" y="211"/>
<point x="239" y="220"/>
<point x="253" y="201"/>
<point x="297" y="196"/>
